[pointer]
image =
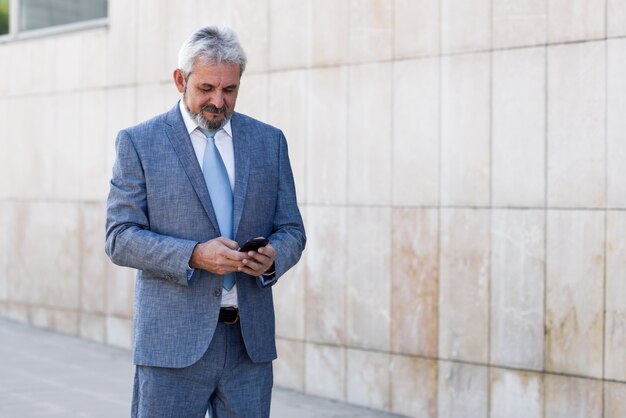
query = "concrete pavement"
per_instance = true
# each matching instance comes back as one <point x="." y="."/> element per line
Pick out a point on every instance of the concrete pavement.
<point x="45" y="374"/>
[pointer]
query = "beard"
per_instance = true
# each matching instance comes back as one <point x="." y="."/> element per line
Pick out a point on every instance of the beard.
<point x="209" y="124"/>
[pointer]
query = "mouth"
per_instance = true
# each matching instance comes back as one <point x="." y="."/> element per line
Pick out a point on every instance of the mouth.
<point x="212" y="110"/>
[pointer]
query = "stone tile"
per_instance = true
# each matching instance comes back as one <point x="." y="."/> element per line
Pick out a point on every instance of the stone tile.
<point x="329" y="28"/>
<point x="93" y="261"/>
<point x="250" y="19"/>
<point x="519" y="23"/>
<point x="42" y="74"/>
<point x="45" y="254"/>
<point x="94" y="171"/>
<point x="18" y="312"/>
<point x="214" y="12"/>
<point x="93" y="62"/>
<point x="574" y="292"/>
<point x="253" y="98"/>
<point x="20" y="62"/>
<point x="463" y="284"/>
<point x="92" y="327"/>
<point x="327" y="148"/>
<point x="120" y="114"/>
<point x="183" y="19"/>
<point x="121" y="46"/>
<point x="465" y="141"/>
<point x="289" y="367"/>
<point x="5" y="245"/>
<point x="371" y="30"/>
<point x="571" y="397"/>
<point x="150" y="101"/>
<point x="5" y="142"/>
<point x="615" y="316"/>
<point x="414" y="386"/>
<point x="416" y="26"/>
<point x="415" y="167"/>
<point x="576" y="132"/>
<point x="44" y="154"/>
<point x="369" y="281"/>
<point x="616" y="18"/>
<point x="288" y="111"/>
<point x="325" y="371"/>
<point x="414" y="281"/>
<point x="10" y="129"/>
<point x="518" y="127"/>
<point x="290" y="302"/>
<point x="288" y="34"/>
<point x="462" y="391"/>
<point x="575" y="20"/>
<point x="119" y="332"/>
<point x="616" y="123"/>
<point x="465" y="25"/>
<point x="516" y="394"/>
<point x="55" y="319"/>
<point x="152" y="61"/>
<point x="31" y="155"/>
<point x="369" y="150"/>
<point x="517" y="288"/>
<point x="368" y="379"/>
<point x="327" y="283"/>
<point x="170" y="95"/>
<point x="614" y="400"/>
<point x="68" y="62"/>
<point x="65" y="321"/>
<point x="41" y="317"/>
<point x="66" y="155"/>
<point x="5" y="65"/>
<point x="120" y="286"/>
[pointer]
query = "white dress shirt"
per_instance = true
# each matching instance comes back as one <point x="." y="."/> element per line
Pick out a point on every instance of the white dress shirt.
<point x="224" y="144"/>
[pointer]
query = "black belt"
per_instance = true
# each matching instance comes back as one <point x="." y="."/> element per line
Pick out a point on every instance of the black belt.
<point x="229" y="315"/>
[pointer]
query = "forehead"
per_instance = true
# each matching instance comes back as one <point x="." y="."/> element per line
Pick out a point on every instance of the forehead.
<point x="214" y="74"/>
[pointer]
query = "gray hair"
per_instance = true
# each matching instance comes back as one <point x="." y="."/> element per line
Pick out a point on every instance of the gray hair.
<point x="212" y="45"/>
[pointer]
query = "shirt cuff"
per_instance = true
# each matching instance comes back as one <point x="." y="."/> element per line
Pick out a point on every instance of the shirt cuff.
<point x="190" y="273"/>
<point x="268" y="278"/>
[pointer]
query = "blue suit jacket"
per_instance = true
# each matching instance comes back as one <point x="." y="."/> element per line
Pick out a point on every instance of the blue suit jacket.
<point x="158" y="210"/>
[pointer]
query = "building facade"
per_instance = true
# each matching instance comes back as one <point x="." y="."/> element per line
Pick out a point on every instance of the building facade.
<point x="460" y="165"/>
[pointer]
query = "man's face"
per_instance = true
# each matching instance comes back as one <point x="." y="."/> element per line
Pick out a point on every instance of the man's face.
<point x="210" y="92"/>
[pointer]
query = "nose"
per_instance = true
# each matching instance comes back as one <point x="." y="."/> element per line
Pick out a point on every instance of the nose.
<point x="217" y="99"/>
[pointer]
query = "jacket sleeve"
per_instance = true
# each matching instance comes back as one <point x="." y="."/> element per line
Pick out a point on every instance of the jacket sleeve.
<point x="288" y="236"/>
<point x="129" y="241"/>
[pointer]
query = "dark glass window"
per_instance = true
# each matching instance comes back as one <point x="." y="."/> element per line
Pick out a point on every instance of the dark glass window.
<point x="37" y="14"/>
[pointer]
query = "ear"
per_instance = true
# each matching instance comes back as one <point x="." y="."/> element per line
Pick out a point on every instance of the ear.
<point x="179" y="80"/>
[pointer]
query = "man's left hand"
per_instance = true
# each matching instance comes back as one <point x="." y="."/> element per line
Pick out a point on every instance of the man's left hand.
<point x="258" y="262"/>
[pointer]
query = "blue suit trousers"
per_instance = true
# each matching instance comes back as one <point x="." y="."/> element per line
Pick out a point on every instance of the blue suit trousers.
<point x="224" y="381"/>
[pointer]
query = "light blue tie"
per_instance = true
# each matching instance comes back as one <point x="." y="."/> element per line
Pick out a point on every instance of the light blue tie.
<point x="216" y="178"/>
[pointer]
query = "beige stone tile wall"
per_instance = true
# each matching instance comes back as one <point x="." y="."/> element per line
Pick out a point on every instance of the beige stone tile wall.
<point x="459" y="164"/>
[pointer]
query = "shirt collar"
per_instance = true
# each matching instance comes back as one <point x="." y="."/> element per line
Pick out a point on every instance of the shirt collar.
<point x="191" y="125"/>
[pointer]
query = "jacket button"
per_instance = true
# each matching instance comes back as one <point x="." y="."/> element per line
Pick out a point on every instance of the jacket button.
<point x="217" y="292"/>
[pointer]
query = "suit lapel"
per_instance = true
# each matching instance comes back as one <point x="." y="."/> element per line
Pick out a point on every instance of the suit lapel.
<point x="178" y="136"/>
<point x="241" y="146"/>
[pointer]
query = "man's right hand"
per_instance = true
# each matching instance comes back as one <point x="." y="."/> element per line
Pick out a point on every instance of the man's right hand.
<point x="219" y="256"/>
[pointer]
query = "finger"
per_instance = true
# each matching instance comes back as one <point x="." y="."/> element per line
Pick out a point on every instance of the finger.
<point x="233" y="245"/>
<point x="259" y="258"/>
<point x="267" y="250"/>
<point x="249" y="271"/>
<point x="235" y="256"/>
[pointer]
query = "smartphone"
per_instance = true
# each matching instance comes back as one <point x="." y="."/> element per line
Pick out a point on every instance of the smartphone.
<point x="253" y="244"/>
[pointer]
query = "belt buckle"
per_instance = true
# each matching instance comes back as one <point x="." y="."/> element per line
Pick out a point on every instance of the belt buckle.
<point x="232" y="309"/>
